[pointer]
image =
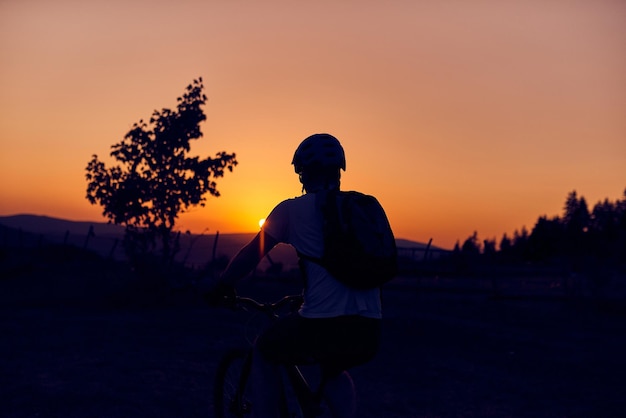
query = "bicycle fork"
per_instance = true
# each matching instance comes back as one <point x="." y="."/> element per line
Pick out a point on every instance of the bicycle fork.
<point x="308" y="399"/>
<point x="240" y="405"/>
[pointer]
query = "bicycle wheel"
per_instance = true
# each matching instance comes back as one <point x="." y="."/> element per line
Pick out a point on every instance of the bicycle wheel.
<point x="230" y="398"/>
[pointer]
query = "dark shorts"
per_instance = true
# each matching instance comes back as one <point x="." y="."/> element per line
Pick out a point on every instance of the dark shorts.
<point x="337" y="344"/>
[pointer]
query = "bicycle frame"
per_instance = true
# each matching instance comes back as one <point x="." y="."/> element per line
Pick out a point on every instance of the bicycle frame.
<point x="308" y="400"/>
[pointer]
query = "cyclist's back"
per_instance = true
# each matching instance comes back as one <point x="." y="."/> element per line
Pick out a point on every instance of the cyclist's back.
<point x="298" y="222"/>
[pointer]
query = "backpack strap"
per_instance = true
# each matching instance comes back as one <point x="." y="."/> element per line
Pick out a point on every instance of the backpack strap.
<point x="331" y="216"/>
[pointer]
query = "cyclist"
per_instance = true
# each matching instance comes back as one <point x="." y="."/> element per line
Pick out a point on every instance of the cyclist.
<point x="337" y="326"/>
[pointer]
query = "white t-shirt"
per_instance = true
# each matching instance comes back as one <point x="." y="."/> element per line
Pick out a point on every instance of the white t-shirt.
<point x="298" y="222"/>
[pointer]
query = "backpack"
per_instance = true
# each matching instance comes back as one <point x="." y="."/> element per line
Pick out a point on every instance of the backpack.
<point x="359" y="246"/>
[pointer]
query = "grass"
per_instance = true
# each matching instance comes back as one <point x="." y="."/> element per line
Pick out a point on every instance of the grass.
<point x="86" y="338"/>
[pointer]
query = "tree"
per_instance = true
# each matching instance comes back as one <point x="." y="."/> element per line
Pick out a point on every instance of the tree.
<point x="154" y="179"/>
<point x="576" y="213"/>
<point x="505" y="244"/>
<point x="576" y="220"/>
<point x="471" y="246"/>
<point x="546" y="239"/>
<point x="489" y="248"/>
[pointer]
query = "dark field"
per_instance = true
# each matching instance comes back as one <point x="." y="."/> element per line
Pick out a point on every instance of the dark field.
<point x="81" y="342"/>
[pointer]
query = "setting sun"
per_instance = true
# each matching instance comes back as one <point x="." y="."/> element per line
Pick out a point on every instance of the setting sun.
<point x="261" y="222"/>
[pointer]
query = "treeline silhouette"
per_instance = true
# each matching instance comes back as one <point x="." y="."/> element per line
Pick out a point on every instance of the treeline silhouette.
<point x="581" y="240"/>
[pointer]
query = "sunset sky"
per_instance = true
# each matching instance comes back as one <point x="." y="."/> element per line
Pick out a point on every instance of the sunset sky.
<point x="460" y="116"/>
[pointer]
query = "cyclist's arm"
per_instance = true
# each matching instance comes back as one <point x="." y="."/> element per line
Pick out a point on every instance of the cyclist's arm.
<point x="248" y="257"/>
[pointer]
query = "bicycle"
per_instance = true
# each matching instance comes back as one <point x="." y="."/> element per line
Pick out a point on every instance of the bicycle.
<point x="231" y="388"/>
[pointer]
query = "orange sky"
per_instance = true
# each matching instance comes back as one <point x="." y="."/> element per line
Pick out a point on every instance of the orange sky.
<point x="458" y="116"/>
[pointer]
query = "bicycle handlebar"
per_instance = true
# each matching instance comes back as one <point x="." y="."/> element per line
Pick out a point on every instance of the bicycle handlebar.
<point x="269" y="308"/>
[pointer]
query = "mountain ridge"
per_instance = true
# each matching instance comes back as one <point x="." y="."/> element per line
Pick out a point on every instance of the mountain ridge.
<point x="43" y="224"/>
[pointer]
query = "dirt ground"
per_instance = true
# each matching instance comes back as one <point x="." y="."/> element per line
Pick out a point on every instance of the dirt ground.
<point x="63" y="354"/>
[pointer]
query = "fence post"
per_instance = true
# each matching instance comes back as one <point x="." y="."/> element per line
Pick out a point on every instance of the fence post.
<point x="113" y="249"/>
<point x="217" y="235"/>
<point x="430" y="241"/>
<point x="90" y="234"/>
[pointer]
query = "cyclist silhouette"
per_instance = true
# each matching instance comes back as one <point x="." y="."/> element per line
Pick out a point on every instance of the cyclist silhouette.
<point x="337" y="327"/>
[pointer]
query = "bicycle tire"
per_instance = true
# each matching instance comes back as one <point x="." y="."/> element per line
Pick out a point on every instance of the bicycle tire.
<point x="230" y="397"/>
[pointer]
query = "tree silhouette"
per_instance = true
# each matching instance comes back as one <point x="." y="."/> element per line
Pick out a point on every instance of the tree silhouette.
<point x="576" y="213"/>
<point x="607" y="229"/>
<point x="520" y="243"/>
<point x="155" y="180"/>
<point x="592" y="243"/>
<point x="546" y="239"/>
<point x="576" y="220"/>
<point x="471" y="246"/>
<point x="505" y="244"/>
<point x="489" y="248"/>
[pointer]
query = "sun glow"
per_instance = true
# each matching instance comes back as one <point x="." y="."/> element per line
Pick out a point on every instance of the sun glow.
<point x="261" y="222"/>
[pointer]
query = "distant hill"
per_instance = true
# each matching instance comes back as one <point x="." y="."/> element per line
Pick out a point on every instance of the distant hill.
<point x="32" y="229"/>
<point x="40" y="224"/>
<point x="194" y="249"/>
<point x="405" y="243"/>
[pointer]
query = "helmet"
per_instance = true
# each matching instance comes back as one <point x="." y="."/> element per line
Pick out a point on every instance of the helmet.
<point x="320" y="150"/>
